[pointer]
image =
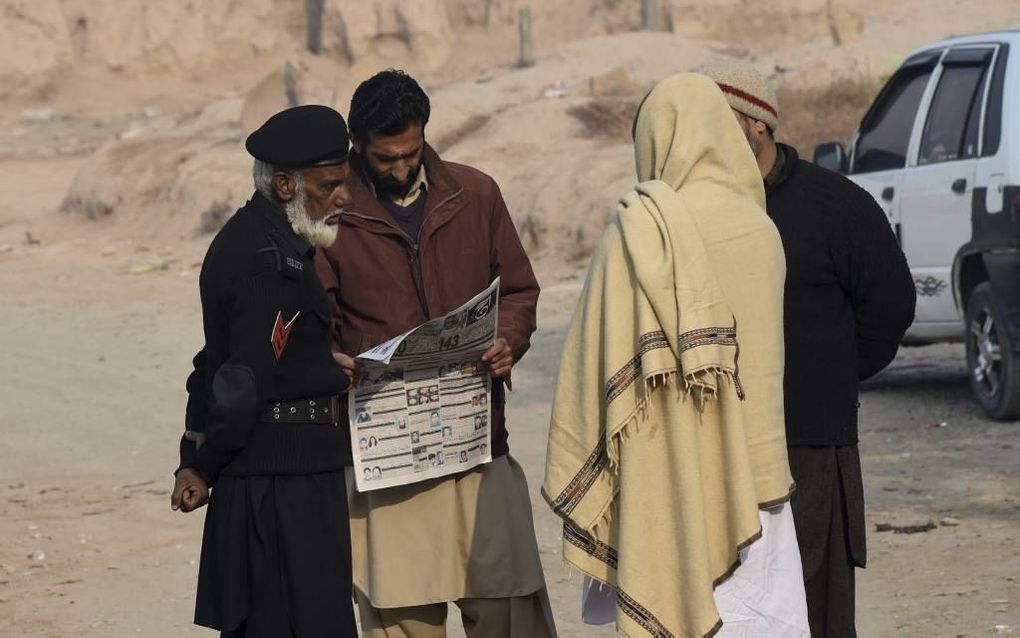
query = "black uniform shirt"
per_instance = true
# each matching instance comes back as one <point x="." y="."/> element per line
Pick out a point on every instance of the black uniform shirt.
<point x="266" y="319"/>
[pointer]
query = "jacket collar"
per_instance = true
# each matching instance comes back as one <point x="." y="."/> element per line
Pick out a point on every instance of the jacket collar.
<point x="279" y="223"/>
<point x="786" y="162"/>
<point x="441" y="187"/>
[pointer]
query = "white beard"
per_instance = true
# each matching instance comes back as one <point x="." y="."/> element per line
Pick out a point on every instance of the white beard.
<point x="317" y="232"/>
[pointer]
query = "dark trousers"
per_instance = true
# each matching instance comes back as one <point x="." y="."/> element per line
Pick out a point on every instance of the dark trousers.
<point x="265" y="623"/>
<point x="828" y="512"/>
<point x="276" y="558"/>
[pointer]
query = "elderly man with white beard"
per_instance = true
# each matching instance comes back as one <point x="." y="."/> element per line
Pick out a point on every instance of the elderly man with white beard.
<point x="261" y="423"/>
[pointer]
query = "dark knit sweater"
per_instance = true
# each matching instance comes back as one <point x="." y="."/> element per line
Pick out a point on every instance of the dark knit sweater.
<point x="267" y="339"/>
<point x="849" y="296"/>
<point x="408" y="217"/>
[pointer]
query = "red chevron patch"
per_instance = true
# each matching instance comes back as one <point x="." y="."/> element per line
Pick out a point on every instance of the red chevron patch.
<point x="281" y="333"/>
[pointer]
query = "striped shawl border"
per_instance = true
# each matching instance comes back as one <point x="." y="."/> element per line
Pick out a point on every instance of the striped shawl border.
<point x="583" y="541"/>
<point x="568" y="499"/>
<point x="706" y="336"/>
<point x="631" y="370"/>
<point x="605" y="554"/>
<point x="642" y="616"/>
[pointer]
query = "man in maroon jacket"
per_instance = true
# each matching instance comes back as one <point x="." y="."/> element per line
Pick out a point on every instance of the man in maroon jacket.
<point x="420" y="237"/>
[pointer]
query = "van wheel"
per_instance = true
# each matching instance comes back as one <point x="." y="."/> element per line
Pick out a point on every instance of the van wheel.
<point x="993" y="364"/>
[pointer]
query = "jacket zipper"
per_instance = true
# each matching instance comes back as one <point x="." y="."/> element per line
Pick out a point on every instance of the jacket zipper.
<point x="413" y="252"/>
<point x="419" y="283"/>
<point x="413" y="258"/>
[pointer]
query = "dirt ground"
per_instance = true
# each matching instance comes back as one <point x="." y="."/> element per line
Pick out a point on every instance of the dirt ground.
<point x="97" y="332"/>
<point x="100" y="320"/>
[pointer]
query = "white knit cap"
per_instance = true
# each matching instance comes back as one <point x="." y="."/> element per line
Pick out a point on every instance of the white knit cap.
<point x="747" y="91"/>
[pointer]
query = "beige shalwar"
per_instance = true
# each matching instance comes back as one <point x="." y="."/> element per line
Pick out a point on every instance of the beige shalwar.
<point x="467" y="539"/>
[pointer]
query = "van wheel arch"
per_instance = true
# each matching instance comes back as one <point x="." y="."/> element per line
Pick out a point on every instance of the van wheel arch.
<point x="971" y="272"/>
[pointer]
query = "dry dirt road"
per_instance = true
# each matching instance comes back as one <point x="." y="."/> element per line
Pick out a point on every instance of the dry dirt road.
<point x="95" y="359"/>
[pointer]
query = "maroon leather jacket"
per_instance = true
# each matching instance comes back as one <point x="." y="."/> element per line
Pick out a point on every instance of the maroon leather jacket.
<point x="385" y="282"/>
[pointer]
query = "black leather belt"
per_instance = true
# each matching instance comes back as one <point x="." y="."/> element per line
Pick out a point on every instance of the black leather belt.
<point x="324" y="410"/>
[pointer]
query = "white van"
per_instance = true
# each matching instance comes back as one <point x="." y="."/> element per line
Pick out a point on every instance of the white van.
<point x="939" y="149"/>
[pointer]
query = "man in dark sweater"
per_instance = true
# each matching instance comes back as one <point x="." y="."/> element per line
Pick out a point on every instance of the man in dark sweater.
<point x="849" y="299"/>
<point x="263" y="399"/>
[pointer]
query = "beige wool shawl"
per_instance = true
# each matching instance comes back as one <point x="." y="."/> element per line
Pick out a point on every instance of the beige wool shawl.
<point x="667" y="432"/>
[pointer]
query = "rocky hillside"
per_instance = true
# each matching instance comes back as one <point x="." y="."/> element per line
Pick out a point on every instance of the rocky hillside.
<point x="116" y="53"/>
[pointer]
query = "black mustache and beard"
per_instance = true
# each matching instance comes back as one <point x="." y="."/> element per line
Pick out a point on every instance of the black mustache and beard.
<point x="386" y="185"/>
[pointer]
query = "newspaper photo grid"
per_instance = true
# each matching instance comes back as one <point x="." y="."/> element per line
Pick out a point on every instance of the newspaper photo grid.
<point x="421" y="406"/>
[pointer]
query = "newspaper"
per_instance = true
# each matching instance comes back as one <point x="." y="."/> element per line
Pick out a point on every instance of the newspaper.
<point x="421" y="406"/>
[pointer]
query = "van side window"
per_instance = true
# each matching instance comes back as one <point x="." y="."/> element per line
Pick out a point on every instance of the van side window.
<point x="952" y="130"/>
<point x="885" y="131"/>
<point x="993" y="112"/>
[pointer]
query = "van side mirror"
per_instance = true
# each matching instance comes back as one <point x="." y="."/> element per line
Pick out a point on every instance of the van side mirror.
<point x="831" y="156"/>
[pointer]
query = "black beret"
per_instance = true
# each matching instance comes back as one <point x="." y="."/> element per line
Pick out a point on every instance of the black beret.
<point x="311" y="135"/>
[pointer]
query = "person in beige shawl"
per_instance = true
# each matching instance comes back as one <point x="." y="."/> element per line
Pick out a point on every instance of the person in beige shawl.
<point x="667" y="448"/>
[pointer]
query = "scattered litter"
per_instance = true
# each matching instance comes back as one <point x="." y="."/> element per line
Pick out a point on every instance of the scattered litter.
<point x="939" y="424"/>
<point x="38" y="555"/>
<point x="134" y="131"/>
<point x="37" y="115"/>
<point x="1003" y="629"/>
<point x="949" y="521"/>
<point x="555" y="90"/>
<point x="32" y="527"/>
<point x="999" y="601"/>
<point x="913" y="528"/>
<point x="131" y="486"/>
<point x="150" y="266"/>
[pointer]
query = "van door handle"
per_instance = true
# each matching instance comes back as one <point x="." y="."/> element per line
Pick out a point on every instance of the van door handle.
<point x="887" y="193"/>
<point x="960" y="185"/>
